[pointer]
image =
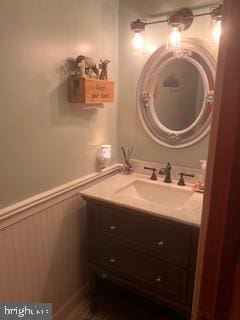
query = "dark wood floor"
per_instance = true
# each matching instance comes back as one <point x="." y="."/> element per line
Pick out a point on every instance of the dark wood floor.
<point x="117" y="304"/>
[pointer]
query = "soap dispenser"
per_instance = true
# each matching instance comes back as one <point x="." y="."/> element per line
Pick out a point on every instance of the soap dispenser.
<point x="204" y="168"/>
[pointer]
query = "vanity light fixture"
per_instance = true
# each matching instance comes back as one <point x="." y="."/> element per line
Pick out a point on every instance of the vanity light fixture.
<point x="104" y="154"/>
<point x="175" y="38"/>
<point x="138" y="26"/>
<point x="216" y="22"/>
<point x="178" y="22"/>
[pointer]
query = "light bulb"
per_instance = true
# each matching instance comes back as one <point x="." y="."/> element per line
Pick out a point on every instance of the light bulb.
<point x="175" y="38"/>
<point x="138" y="41"/>
<point x="216" y="34"/>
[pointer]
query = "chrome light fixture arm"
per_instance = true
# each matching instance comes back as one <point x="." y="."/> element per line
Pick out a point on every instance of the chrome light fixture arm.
<point x="179" y="21"/>
<point x="184" y="16"/>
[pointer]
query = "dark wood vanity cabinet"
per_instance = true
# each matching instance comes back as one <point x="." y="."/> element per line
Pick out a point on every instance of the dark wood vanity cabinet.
<point x="150" y="255"/>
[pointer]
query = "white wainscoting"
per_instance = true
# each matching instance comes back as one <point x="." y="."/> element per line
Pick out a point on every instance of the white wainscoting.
<point x="43" y="247"/>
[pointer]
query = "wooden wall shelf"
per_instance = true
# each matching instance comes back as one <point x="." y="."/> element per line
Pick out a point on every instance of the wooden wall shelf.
<point x="90" y="91"/>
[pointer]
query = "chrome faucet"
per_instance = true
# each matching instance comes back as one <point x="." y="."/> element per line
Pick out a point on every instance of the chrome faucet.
<point x="167" y="172"/>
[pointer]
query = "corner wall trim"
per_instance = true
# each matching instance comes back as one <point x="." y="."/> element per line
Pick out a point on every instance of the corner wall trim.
<point x="39" y="199"/>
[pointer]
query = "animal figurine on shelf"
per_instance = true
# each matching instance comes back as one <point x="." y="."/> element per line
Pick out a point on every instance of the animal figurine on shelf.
<point x="85" y="67"/>
<point x="70" y="66"/>
<point x="103" y="66"/>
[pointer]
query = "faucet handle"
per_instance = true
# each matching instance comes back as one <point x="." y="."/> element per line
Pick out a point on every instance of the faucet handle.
<point x="181" y="181"/>
<point x="153" y="176"/>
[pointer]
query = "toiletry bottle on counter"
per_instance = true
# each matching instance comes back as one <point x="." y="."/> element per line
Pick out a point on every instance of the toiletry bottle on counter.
<point x="204" y="168"/>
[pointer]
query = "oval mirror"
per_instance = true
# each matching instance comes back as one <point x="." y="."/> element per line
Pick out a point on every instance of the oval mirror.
<point x="175" y="95"/>
<point x="179" y="94"/>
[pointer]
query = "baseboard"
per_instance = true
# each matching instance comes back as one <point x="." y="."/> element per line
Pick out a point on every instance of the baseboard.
<point x="69" y="306"/>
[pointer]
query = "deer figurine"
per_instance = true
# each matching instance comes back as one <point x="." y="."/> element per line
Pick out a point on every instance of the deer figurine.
<point x="103" y="66"/>
<point x="85" y="66"/>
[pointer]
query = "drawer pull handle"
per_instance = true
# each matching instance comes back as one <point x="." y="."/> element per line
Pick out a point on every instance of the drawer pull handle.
<point x="112" y="227"/>
<point x="159" y="279"/>
<point x="112" y="260"/>
<point x="160" y="243"/>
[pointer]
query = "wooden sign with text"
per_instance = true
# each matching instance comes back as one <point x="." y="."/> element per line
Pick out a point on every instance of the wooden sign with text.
<point x="90" y="91"/>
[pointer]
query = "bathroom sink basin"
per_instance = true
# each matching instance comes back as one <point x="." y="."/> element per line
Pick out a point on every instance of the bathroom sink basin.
<point x="155" y="192"/>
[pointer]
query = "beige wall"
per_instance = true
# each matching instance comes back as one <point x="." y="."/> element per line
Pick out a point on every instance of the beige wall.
<point x="44" y="140"/>
<point x="130" y="129"/>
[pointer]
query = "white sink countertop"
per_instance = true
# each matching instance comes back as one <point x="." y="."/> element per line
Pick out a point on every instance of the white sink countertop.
<point x="137" y="191"/>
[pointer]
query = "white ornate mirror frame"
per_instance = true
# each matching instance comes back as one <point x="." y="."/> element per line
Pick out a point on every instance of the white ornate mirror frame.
<point x="205" y="62"/>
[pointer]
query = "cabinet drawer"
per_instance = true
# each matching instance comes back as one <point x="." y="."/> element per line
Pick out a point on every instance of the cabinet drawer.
<point x="167" y="240"/>
<point x="163" y="278"/>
